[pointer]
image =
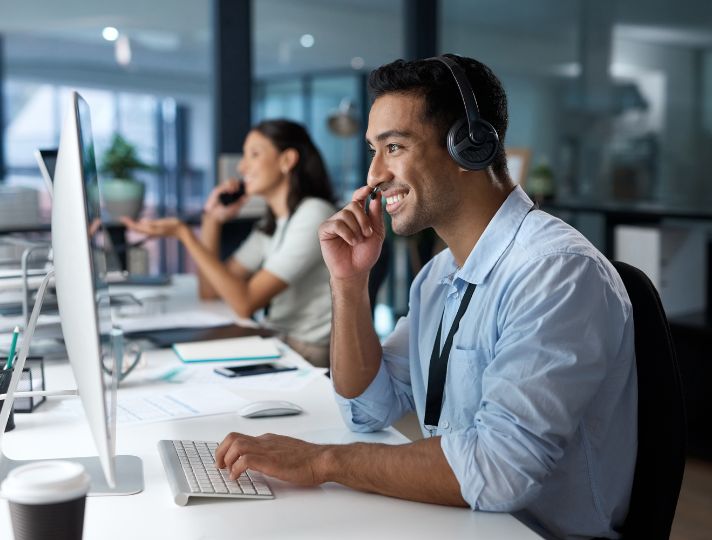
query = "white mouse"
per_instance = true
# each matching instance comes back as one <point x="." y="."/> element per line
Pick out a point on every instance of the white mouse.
<point x="258" y="409"/>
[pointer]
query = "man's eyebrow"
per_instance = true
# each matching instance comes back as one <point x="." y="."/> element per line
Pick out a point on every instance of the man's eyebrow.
<point x="392" y="133"/>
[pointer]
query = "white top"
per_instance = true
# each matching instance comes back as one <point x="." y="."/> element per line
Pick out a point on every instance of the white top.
<point x="46" y="482"/>
<point x="293" y="254"/>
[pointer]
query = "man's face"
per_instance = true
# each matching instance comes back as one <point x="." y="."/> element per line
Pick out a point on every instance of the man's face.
<point x="412" y="169"/>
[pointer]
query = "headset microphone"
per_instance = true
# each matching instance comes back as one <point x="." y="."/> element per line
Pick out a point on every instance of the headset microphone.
<point x="471" y="141"/>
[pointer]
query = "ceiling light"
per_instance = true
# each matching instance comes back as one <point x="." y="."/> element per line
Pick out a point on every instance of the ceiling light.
<point x="357" y="62"/>
<point x="110" y="33"/>
<point x="307" y="40"/>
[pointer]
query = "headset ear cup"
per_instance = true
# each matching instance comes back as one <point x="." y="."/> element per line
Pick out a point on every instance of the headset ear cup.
<point x="472" y="155"/>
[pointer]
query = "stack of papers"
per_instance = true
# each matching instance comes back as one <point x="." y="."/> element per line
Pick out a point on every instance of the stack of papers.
<point x="227" y="350"/>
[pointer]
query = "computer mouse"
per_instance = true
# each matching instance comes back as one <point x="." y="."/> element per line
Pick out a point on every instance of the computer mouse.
<point x="259" y="409"/>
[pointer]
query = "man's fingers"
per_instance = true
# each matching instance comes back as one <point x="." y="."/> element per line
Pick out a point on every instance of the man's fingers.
<point x="357" y="221"/>
<point x="231" y="448"/>
<point x="222" y="449"/>
<point x="351" y="224"/>
<point x="361" y="193"/>
<point x="254" y="462"/>
<point x="338" y="228"/>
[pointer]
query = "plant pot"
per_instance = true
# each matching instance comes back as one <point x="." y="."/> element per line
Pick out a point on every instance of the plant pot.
<point x="122" y="198"/>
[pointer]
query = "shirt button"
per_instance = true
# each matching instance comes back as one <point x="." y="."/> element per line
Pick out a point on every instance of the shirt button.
<point x="446" y="424"/>
<point x="456" y="295"/>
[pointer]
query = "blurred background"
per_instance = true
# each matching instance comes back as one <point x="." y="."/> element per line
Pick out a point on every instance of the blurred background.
<point x="610" y="116"/>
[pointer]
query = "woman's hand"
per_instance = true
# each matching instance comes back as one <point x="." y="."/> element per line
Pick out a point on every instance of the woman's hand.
<point x="217" y="211"/>
<point x="164" y="227"/>
<point x="351" y="240"/>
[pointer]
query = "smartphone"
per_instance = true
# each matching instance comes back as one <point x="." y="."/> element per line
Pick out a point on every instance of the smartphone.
<point x="229" y="197"/>
<point x="253" y="369"/>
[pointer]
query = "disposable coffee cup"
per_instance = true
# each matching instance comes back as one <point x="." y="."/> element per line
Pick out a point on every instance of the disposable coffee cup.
<point x="47" y="500"/>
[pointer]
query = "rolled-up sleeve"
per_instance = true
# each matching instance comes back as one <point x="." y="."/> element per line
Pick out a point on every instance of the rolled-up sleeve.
<point x="557" y="336"/>
<point x="389" y="396"/>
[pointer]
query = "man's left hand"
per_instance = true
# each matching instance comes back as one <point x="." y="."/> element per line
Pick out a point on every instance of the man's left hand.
<point x="281" y="457"/>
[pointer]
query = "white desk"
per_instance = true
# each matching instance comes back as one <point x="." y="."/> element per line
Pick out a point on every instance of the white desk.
<point x="328" y="511"/>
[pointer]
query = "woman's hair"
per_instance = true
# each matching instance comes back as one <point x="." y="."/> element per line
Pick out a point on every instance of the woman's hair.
<point x="308" y="178"/>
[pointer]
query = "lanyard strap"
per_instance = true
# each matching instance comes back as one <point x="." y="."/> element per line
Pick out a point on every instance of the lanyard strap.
<point x="438" y="365"/>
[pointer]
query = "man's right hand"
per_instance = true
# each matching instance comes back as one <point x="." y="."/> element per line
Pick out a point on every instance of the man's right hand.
<point x="217" y="211"/>
<point x="350" y="240"/>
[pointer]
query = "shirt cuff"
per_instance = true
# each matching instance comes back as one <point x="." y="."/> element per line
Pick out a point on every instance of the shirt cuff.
<point x="369" y="411"/>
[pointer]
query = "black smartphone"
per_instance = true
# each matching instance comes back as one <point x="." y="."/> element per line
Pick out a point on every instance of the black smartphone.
<point x="229" y="197"/>
<point x="253" y="369"/>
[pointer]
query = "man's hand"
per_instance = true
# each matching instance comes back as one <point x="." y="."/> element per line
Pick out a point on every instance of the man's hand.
<point x="281" y="457"/>
<point x="350" y="240"/>
<point x="166" y="227"/>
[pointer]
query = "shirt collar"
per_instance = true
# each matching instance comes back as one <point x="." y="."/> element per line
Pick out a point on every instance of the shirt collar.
<point x="495" y="239"/>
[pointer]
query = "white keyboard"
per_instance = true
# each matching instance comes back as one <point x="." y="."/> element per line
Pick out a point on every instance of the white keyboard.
<point x="190" y="469"/>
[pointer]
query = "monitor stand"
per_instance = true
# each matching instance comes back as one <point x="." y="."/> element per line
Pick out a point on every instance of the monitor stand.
<point x="129" y="469"/>
<point x="129" y="473"/>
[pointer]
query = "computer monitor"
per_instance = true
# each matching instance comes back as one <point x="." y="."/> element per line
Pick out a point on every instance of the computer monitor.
<point x="83" y="301"/>
<point x="46" y="161"/>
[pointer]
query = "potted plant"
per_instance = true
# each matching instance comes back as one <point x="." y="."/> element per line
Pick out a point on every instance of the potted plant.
<point x="541" y="181"/>
<point x="121" y="192"/>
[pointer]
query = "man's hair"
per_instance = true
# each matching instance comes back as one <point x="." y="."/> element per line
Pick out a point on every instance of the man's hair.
<point x="443" y="103"/>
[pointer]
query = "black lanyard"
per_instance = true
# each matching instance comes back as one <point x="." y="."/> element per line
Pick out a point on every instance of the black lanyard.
<point x="438" y="365"/>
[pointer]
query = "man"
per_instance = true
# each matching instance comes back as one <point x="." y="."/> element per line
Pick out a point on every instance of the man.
<point x="539" y="409"/>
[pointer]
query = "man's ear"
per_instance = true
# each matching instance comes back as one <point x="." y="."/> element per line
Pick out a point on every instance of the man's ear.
<point x="288" y="159"/>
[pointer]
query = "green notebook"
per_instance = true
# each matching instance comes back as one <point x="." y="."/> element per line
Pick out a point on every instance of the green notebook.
<point x="226" y="350"/>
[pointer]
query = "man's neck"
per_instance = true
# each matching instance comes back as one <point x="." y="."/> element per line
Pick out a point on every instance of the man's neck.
<point x="465" y="225"/>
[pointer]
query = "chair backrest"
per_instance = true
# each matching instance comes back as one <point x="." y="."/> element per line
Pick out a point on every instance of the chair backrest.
<point x="661" y="414"/>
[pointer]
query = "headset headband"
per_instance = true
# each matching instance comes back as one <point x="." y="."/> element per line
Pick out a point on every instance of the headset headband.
<point x="472" y="111"/>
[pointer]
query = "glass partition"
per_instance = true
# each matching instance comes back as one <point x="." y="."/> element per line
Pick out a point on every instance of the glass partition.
<point x="614" y="96"/>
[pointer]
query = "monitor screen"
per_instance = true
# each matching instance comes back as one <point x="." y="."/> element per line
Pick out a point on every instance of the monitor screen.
<point x="99" y="242"/>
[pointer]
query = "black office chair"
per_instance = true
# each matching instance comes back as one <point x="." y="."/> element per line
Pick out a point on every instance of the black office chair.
<point x="661" y="414"/>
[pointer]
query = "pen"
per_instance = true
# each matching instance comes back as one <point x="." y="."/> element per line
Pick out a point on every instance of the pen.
<point x="371" y="196"/>
<point x="13" y="344"/>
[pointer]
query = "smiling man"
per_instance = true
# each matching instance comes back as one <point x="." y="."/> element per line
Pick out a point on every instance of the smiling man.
<point x="517" y="351"/>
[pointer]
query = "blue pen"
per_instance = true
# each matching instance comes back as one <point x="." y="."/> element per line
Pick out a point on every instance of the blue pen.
<point x="13" y="345"/>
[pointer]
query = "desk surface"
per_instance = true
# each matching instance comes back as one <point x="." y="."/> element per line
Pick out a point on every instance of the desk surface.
<point x="327" y="511"/>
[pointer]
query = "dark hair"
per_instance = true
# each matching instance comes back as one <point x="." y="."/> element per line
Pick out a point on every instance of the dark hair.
<point x="443" y="104"/>
<point x="309" y="177"/>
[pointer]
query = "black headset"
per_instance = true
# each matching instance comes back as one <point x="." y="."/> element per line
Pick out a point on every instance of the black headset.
<point x="471" y="141"/>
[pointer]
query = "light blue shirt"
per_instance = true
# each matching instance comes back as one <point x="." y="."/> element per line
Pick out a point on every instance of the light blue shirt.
<point x="540" y="406"/>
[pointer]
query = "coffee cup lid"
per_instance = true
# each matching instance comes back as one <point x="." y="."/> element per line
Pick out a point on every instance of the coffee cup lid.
<point x="46" y="482"/>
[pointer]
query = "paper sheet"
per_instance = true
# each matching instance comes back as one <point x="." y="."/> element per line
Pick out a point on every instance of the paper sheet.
<point x="172" y="405"/>
<point x="159" y="405"/>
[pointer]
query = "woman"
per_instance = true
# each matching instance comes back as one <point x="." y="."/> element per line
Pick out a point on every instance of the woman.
<point x="280" y="264"/>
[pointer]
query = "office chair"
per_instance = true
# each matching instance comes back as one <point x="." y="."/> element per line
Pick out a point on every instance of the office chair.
<point x="660" y="460"/>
